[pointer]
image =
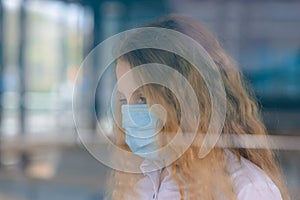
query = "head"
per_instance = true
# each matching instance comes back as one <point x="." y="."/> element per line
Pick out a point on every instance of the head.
<point x="202" y="175"/>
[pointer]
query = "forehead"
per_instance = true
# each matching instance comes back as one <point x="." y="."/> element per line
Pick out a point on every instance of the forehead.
<point x="121" y="68"/>
<point x="125" y="80"/>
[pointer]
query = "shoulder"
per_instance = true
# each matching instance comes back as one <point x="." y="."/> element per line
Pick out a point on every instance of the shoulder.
<point x="250" y="181"/>
<point x="260" y="191"/>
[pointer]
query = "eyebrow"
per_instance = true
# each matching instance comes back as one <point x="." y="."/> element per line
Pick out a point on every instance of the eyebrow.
<point x="120" y="93"/>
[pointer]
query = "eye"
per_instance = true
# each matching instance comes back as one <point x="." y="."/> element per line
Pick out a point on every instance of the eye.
<point x="141" y="100"/>
<point x="121" y="98"/>
<point x="123" y="101"/>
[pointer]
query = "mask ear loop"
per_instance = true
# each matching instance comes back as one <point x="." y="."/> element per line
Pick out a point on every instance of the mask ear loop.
<point x="161" y="113"/>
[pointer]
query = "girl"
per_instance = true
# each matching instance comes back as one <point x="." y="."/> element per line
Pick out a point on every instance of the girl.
<point x="225" y="173"/>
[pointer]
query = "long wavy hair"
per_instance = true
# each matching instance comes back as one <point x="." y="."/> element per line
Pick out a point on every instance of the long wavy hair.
<point x="205" y="177"/>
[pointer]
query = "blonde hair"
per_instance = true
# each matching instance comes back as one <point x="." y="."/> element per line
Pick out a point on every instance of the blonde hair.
<point x="207" y="177"/>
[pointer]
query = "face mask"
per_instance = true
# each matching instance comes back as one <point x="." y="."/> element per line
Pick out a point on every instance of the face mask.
<point x="141" y="127"/>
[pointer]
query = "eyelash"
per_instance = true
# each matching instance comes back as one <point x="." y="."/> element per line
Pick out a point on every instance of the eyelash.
<point x="123" y="100"/>
<point x="139" y="100"/>
<point x="143" y="99"/>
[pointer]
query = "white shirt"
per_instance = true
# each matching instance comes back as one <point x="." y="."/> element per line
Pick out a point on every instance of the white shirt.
<point x="249" y="182"/>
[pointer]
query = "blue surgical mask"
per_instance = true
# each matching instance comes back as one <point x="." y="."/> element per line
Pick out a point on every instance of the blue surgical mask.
<point x="141" y="124"/>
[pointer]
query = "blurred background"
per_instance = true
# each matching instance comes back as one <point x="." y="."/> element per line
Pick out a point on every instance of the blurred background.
<point x="43" y="42"/>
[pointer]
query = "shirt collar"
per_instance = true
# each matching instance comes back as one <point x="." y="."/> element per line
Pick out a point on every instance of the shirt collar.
<point x="152" y="169"/>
